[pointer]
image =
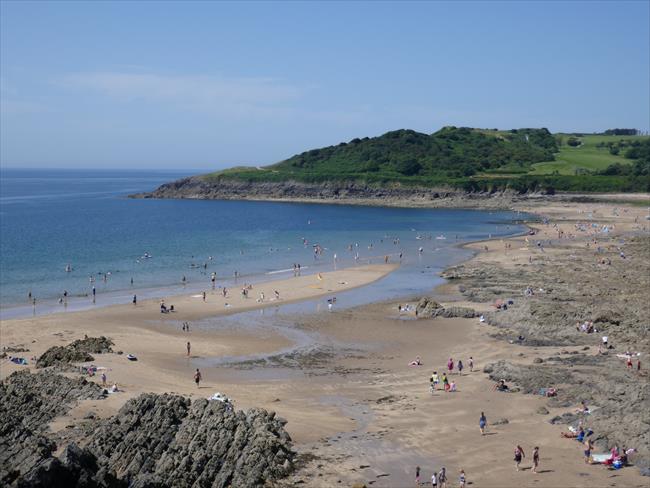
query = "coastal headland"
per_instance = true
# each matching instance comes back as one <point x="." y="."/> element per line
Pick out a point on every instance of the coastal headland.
<point x="358" y="411"/>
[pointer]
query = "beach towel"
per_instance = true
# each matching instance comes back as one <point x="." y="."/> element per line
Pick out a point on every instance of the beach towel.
<point x="600" y="458"/>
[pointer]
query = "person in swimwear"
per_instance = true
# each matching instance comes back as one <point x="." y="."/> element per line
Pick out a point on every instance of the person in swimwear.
<point x="482" y="423"/>
<point x="519" y="455"/>
<point x="535" y="459"/>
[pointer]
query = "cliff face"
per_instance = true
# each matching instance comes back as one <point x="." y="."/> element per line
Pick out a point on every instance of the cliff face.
<point x="197" y="187"/>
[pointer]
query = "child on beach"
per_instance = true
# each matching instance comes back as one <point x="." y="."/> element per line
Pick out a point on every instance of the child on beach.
<point x="471" y="364"/>
<point x="461" y="479"/>
<point x="535" y="459"/>
<point x="434" y="381"/>
<point x="197" y="377"/>
<point x="417" y="476"/>
<point x="482" y="423"/>
<point x="460" y="367"/>
<point x="450" y="365"/>
<point x="442" y="478"/>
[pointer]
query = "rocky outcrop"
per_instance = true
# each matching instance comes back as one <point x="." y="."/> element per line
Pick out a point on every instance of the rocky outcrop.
<point x="153" y="441"/>
<point x="28" y="402"/>
<point x="201" y="187"/>
<point x="76" y="352"/>
<point x="166" y="440"/>
<point x="573" y="288"/>
<point x="427" y="307"/>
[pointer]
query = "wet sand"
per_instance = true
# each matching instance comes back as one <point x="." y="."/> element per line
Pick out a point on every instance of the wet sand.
<point x="351" y="399"/>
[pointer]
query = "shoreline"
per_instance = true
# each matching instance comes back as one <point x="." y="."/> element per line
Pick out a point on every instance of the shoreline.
<point x="312" y="285"/>
<point x="122" y="297"/>
<point x="354" y="401"/>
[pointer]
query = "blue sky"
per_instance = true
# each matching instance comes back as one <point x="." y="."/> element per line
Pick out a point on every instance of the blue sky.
<point x="209" y="85"/>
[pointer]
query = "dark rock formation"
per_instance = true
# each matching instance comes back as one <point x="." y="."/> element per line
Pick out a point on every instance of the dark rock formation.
<point x="168" y="441"/>
<point x="201" y="187"/>
<point x="27" y="403"/>
<point x="76" y="352"/>
<point x="153" y="441"/>
<point x="428" y="308"/>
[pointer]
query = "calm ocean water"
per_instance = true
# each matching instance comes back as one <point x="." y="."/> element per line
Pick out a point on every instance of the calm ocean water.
<point x="51" y="219"/>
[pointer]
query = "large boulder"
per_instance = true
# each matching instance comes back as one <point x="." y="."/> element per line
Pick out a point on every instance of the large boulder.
<point x="76" y="352"/>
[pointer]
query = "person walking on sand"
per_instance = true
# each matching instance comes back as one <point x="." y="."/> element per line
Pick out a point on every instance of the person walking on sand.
<point x="587" y="452"/>
<point x="535" y="459"/>
<point x="104" y="380"/>
<point x="442" y="478"/>
<point x="434" y="480"/>
<point x="471" y="364"/>
<point x="482" y="423"/>
<point x="461" y="479"/>
<point x="189" y="347"/>
<point x="519" y="455"/>
<point x="460" y="367"/>
<point x="197" y="377"/>
<point x="450" y="365"/>
<point x="204" y="296"/>
<point x="417" y="476"/>
<point x="135" y="300"/>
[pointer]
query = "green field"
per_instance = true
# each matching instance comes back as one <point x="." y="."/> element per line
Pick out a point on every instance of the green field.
<point x="586" y="157"/>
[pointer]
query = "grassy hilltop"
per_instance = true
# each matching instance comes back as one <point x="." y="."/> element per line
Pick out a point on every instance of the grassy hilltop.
<point x="473" y="159"/>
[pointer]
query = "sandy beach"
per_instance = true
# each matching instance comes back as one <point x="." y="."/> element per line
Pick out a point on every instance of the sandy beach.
<point x="356" y="410"/>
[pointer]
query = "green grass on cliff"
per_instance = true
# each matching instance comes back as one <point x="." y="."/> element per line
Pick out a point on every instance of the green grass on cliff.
<point x="475" y="159"/>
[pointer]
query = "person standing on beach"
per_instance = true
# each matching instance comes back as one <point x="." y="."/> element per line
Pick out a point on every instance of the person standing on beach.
<point x="204" y="296"/>
<point x="197" y="377"/>
<point x="535" y="459"/>
<point x="471" y="364"/>
<point x="189" y="347"/>
<point x="460" y="367"/>
<point x="434" y="480"/>
<point x="135" y="300"/>
<point x="519" y="455"/>
<point x="94" y="293"/>
<point x="442" y="478"/>
<point x="587" y="452"/>
<point x="104" y="380"/>
<point x="482" y="423"/>
<point x="417" y="476"/>
<point x="450" y="365"/>
<point x="461" y="479"/>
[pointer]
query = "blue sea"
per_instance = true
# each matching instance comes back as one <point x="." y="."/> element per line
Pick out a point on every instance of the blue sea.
<point x="72" y="230"/>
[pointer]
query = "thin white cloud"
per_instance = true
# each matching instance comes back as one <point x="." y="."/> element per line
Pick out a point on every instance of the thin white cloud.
<point x="189" y="92"/>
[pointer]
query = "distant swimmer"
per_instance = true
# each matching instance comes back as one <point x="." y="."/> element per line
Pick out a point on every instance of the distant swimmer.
<point x="68" y="268"/>
<point x="420" y="250"/>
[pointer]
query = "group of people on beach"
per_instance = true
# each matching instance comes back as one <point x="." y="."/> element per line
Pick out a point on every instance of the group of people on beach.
<point x="449" y="386"/>
<point x="440" y="478"/>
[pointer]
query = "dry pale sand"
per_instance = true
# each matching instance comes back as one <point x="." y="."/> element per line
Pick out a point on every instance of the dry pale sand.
<point x="364" y="412"/>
